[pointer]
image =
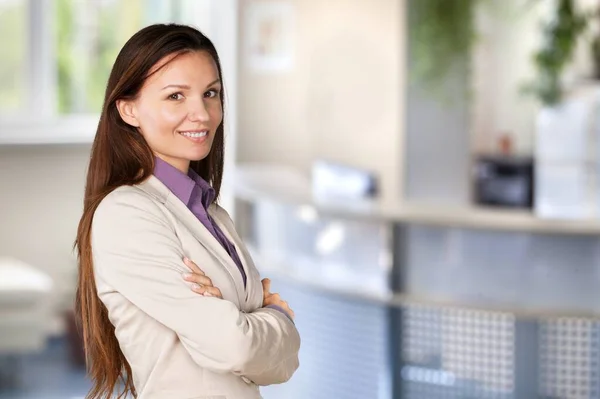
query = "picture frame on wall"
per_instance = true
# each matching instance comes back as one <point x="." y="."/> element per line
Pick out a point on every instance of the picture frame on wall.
<point x="268" y="35"/>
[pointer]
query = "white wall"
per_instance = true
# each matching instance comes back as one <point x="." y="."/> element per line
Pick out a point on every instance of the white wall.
<point x="508" y="36"/>
<point x="41" y="200"/>
<point x="343" y="97"/>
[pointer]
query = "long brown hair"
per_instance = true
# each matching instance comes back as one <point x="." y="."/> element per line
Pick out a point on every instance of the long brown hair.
<point x="120" y="156"/>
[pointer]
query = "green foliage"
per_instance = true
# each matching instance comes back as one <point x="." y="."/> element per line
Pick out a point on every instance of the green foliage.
<point x="560" y="41"/>
<point x="14" y="56"/>
<point x="82" y="78"/>
<point x="595" y="45"/>
<point x="442" y="33"/>
<point x="595" y="50"/>
<point x="64" y="57"/>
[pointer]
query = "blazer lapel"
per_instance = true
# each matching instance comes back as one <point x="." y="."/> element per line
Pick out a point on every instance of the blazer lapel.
<point x="156" y="188"/>
<point x="228" y="229"/>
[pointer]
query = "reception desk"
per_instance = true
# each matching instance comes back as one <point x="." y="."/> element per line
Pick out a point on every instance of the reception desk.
<point x="426" y="302"/>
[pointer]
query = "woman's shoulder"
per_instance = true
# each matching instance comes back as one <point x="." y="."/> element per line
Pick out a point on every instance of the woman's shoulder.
<point x="126" y="194"/>
<point x="127" y="200"/>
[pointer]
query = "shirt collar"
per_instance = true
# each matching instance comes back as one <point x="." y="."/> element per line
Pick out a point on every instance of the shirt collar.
<point x="185" y="187"/>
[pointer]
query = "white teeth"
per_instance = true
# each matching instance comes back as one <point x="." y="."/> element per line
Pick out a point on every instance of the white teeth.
<point x="195" y="134"/>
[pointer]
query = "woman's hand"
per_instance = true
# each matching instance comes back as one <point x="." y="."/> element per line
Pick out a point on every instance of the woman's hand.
<point x="274" y="299"/>
<point x="201" y="284"/>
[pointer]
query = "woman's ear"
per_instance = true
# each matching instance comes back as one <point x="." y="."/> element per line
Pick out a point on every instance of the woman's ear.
<point x="128" y="112"/>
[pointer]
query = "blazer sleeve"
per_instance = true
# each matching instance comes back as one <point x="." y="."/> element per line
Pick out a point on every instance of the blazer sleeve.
<point x="275" y="373"/>
<point x="137" y="253"/>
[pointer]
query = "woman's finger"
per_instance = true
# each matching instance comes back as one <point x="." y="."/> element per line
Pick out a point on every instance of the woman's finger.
<point x="214" y="291"/>
<point x="192" y="266"/>
<point x="198" y="279"/>
<point x="287" y="307"/>
<point x="207" y="291"/>
<point x="266" y="283"/>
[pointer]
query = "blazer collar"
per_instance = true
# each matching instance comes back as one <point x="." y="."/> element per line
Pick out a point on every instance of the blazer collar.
<point x="155" y="188"/>
<point x="159" y="191"/>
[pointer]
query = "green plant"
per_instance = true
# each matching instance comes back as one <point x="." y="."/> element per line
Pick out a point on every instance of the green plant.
<point x="442" y="34"/>
<point x="595" y="51"/>
<point x="560" y="40"/>
<point x="595" y="44"/>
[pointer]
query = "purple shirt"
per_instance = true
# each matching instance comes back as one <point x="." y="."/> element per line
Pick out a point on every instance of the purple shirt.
<point x="197" y="195"/>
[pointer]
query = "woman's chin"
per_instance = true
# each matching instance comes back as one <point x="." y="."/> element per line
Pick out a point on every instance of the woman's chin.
<point x="197" y="156"/>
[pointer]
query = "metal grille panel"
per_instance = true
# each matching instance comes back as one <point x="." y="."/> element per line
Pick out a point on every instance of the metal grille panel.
<point x="569" y="358"/>
<point x="451" y="353"/>
<point x="344" y="354"/>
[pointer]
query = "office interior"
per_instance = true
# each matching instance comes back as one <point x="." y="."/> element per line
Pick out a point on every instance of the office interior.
<point x="420" y="179"/>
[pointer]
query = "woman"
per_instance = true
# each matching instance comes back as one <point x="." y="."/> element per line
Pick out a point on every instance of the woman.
<point x="151" y="318"/>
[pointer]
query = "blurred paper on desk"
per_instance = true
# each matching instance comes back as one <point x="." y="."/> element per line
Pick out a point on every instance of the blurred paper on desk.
<point x="335" y="181"/>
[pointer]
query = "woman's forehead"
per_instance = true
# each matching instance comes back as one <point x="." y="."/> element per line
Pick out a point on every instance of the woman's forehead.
<point x="193" y="67"/>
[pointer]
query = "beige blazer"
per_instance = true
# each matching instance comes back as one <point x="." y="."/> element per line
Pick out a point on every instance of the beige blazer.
<point x="181" y="345"/>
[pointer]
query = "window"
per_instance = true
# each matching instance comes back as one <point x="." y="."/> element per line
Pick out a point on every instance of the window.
<point x="87" y="38"/>
<point x="57" y="54"/>
<point x="13" y="14"/>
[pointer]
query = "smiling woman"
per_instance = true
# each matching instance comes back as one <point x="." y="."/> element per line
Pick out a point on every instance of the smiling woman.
<point x="150" y="210"/>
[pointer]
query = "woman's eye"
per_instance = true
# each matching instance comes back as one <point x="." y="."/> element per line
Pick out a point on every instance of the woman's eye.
<point x="176" y="96"/>
<point x="211" y="93"/>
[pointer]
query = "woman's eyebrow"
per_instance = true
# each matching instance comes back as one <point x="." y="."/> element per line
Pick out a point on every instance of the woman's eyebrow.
<point x="187" y="87"/>
<point x="177" y="86"/>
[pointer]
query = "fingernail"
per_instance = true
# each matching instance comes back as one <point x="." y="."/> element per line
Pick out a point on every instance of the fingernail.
<point x="208" y="294"/>
<point x="186" y="259"/>
<point x="195" y="286"/>
<point x="187" y="275"/>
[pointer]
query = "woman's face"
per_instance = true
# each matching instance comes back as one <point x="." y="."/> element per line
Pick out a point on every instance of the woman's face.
<point x="178" y="110"/>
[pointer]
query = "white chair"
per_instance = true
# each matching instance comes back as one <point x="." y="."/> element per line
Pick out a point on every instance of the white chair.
<point x="25" y="307"/>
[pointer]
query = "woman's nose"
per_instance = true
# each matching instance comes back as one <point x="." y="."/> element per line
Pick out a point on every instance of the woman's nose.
<point x="198" y="112"/>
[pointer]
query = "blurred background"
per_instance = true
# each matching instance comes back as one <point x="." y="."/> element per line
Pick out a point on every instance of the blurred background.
<point x="419" y="178"/>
